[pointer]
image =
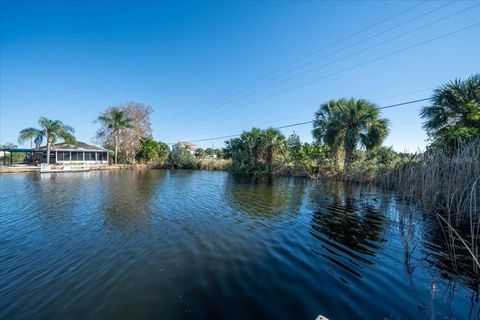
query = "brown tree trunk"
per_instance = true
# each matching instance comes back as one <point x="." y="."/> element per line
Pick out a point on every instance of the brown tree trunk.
<point x="115" y="142"/>
<point x="49" y="146"/>
<point x="348" y="159"/>
<point x="270" y="159"/>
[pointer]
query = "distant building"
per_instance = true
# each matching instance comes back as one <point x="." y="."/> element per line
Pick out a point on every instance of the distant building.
<point x="190" y="147"/>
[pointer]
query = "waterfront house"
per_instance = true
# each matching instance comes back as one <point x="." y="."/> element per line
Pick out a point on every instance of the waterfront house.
<point x="79" y="152"/>
<point x="190" y="147"/>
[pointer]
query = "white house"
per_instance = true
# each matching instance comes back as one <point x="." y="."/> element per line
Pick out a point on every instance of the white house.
<point x="190" y="147"/>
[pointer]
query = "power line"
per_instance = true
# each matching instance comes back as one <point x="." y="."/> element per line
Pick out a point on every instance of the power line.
<point x="403" y="94"/>
<point x="309" y="113"/>
<point x="358" y="65"/>
<point x="297" y="75"/>
<point x="303" y="123"/>
<point x="403" y="103"/>
<point x="346" y="48"/>
<point x="209" y="101"/>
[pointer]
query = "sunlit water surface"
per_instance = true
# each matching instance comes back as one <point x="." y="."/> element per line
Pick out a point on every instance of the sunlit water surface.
<point x="181" y="244"/>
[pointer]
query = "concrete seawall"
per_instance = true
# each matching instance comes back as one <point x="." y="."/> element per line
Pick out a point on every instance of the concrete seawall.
<point x="20" y="169"/>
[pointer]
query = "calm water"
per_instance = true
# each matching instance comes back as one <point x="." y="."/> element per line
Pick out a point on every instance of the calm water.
<point x="180" y="244"/>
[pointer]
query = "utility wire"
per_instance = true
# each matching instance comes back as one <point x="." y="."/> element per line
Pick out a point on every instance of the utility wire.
<point x="285" y="80"/>
<point x="229" y="99"/>
<point x="357" y="65"/>
<point x="286" y="118"/>
<point x="304" y="122"/>
<point x="209" y="101"/>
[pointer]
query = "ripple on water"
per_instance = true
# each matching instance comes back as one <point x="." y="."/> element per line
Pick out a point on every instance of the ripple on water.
<point x="172" y="244"/>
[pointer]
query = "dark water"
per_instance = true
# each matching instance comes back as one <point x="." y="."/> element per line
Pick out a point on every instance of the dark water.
<point x="180" y="244"/>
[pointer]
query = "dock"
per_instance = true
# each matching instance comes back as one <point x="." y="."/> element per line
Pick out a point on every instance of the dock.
<point x="46" y="168"/>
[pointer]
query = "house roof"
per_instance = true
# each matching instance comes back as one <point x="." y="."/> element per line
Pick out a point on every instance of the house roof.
<point x="76" y="146"/>
<point x="186" y="144"/>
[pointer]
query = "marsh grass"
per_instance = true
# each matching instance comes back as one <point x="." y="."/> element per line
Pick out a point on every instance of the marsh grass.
<point x="445" y="182"/>
<point x="214" y="164"/>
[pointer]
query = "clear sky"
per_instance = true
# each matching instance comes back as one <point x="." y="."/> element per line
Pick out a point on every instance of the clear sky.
<point x="201" y="65"/>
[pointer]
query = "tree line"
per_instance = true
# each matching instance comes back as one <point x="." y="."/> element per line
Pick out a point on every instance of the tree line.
<point x="347" y="136"/>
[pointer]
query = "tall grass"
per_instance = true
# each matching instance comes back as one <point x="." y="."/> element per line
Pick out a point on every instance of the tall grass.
<point x="214" y="164"/>
<point x="446" y="183"/>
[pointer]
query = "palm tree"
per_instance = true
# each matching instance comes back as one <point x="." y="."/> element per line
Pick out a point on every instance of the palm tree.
<point x="376" y="133"/>
<point x="115" y="121"/>
<point x="51" y="131"/>
<point x="346" y="123"/>
<point x="274" y="142"/>
<point x="455" y="110"/>
<point x="30" y="134"/>
<point x="328" y="126"/>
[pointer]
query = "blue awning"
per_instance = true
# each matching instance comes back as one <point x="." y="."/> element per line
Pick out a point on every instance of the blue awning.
<point x="23" y="150"/>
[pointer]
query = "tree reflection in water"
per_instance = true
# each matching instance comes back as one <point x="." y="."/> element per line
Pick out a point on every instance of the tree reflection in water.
<point x="127" y="202"/>
<point x="265" y="196"/>
<point x="350" y="229"/>
<point x="51" y="191"/>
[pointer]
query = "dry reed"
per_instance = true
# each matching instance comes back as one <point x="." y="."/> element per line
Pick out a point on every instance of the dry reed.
<point x="446" y="183"/>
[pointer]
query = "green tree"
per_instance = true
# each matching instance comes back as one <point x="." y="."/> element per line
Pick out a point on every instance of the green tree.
<point x="274" y="144"/>
<point x="257" y="150"/>
<point x="115" y="121"/>
<point x="31" y="135"/>
<point x="295" y="148"/>
<point x="345" y="124"/>
<point x="454" y="112"/>
<point x="151" y="150"/>
<point x="200" y="153"/>
<point x="51" y="131"/>
<point x="8" y="146"/>
<point x="219" y="153"/>
<point x="182" y="158"/>
<point x="227" y="151"/>
<point x="163" y="151"/>
<point x="148" y="149"/>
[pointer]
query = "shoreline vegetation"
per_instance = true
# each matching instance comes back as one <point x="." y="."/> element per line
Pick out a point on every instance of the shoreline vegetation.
<point x="348" y="136"/>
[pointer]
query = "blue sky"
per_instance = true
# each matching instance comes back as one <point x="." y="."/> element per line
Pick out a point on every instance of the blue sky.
<point x="71" y="60"/>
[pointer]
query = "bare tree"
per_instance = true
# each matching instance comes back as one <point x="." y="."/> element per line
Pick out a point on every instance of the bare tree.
<point x="128" y="139"/>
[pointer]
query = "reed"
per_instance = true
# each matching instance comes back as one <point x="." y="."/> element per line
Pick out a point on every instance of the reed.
<point x="214" y="164"/>
<point x="446" y="183"/>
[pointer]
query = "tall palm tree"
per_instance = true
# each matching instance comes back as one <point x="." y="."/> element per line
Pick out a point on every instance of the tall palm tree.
<point x="116" y="120"/>
<point x="51" y="131"/>
<point x="377" y="131"/>
<point x="328" y="126"/>
<point x="273" y="142"/>
<point x="347" y="123"/>
<point x="455" y="110"/>
<point x="31" y="135"/>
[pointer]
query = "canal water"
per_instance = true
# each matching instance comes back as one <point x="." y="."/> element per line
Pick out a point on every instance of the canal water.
<point x="211" y="245"/>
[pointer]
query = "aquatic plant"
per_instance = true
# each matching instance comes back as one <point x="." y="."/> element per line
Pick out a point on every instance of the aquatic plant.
<point x="446" y="184"/>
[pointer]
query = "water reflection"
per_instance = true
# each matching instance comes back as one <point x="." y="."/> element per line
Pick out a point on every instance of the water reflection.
<point x="349" y="229"/>
<point x="444" y="253"/>
<point x="264" y="196"/>
<point x="149" y="243"/>
<point x="55" y="198"/>
<point x="425" y="244"/>
<point x="127" y="201"/>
